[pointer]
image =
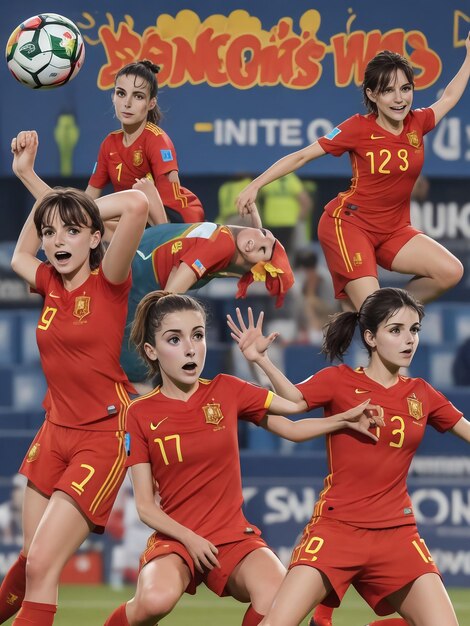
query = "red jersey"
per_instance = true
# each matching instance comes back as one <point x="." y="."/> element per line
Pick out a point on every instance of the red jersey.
<point x="192" y="448"/>
<point x="206" y="248"/>
<point x="366" y="484"/>
<point x="79" y="336"/>
<point x="152" y="155"/>
<point x="385" y="168"/>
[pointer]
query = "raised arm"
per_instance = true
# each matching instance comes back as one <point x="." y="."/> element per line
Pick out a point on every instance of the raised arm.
<point x="24" y="148"/>
<point x="454" y="90"/>
<point x="254" y="345"/>
<point x="131" y="208"/>
<point x="202" y="551"/>
<point x="287" y="164"/>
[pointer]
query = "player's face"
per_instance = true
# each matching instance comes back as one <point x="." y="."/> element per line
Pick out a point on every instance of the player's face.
<point x="395" y="102"/>
<point x="132" y="100"/>
<point x="67" y="246"/>
<point x="180" y="347"/>
<point x="255" y="244"/>
<point x="396" y="339"/>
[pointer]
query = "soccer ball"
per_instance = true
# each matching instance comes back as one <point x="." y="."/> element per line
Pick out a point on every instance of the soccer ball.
<point x="45" y="51"/>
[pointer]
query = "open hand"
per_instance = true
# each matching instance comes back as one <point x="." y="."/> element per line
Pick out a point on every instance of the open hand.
<point x="251" y="341"/>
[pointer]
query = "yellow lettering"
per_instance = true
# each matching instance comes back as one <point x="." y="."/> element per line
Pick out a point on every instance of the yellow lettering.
<point x="161" y="445"/>
<point x="47" y="317"/>
<point x="398" y="431"/>
<point x="424" y="553"/>
<point x="80" y="487"/>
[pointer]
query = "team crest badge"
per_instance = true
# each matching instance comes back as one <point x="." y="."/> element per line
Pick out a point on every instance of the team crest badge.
<point x="82" y="307"/>
<point x="415" y="407"/>
<point x="357" y="258"/>
<point x="12" y="598"/>
<point x="137" y="158"/>
<point x="413" y="139"/>
<point x="213" y="414"/>
<point x="33" y="453"/>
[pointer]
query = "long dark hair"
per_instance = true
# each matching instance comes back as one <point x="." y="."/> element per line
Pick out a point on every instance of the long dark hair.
<point x="149" y="315"/>
<point x="379" y="72"/>
<point x="73" y="206"/>
<point x="146" y="71"/>
<point x="377" y="307"/>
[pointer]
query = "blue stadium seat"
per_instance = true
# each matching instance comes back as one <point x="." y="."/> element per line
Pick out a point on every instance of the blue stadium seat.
<point x="28" y="320"/>
<point x="260" y="439"/>
<point x="432" y="330"/>
<point x="301" y="361"/>
<point x="28" y="388"/>
<point x="419" y="367"/>
<point x="6" y="386"/>
<point x="441" y="359"/>
<point x="217" y="360"/>
<point x="9" y="337"/>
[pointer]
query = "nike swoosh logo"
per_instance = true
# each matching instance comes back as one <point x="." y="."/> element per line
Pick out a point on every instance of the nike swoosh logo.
<point x="153" y="427"/>
<point x="144" y="256"/>
<point x="361" y="391"/>
<point x="52" y="295"/>
<point x="376" y="136"/>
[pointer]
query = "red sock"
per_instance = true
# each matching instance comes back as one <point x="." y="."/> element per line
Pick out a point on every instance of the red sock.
<point x="35" y="614"/>
<point x="12" y="589"/>
<point x="393" y="621"/>
<point x="322" y="616"/>
<point x="118" y="617"/>
<point x="251" y="618"/>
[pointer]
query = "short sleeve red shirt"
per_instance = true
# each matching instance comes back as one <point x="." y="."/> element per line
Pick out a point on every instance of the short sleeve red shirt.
<point x="366" y="484"/>
<point x="206" y="248"/>
<point x="192" y="448"/>
<point x="385" y="168"/>
<point x="79" y="336"/>
<point x="152" y="155"/>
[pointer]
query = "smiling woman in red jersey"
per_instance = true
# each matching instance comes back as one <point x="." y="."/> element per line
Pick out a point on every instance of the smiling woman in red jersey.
<point x="369" y="224"/>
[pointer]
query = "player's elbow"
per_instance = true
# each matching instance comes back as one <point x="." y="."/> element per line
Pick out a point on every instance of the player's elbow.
<point x="138" y="204"/>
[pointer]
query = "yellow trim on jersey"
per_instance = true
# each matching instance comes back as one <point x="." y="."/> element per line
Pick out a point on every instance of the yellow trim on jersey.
<point x="114" y="475"/>
<point x="342" y="244"/>
<point x="328" y="482"/>
<point x="337" y="218"/>
<point x="178" y="196"/>
<point x="269" y="399"/>
<point x="125" y="401"/>
<point x="153" y="128"/>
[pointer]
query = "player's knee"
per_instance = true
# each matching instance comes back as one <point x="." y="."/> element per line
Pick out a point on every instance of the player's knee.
<point x="451" y="274"/>
<point x="36" y="568"/>
<point x="156" y="603"/>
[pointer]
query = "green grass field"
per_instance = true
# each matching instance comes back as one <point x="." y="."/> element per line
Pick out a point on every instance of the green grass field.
<point x="90" y="605"/>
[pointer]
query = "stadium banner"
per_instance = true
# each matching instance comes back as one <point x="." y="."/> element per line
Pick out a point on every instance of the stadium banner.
<point x="241" y="83"/>
<point x="281" y="504"/>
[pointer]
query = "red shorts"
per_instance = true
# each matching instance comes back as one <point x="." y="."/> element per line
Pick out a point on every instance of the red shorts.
<point x="377" y="562"/>
<point x="229" y="556"/>
<point x="352" y="252"/>
<point x="88" y="465"/>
